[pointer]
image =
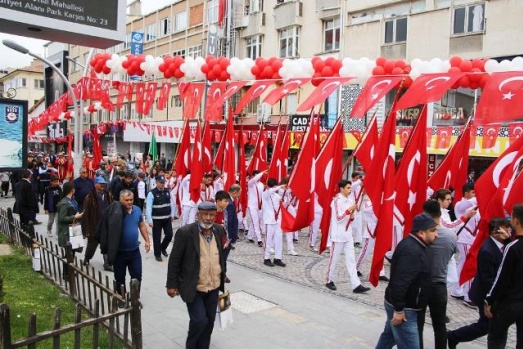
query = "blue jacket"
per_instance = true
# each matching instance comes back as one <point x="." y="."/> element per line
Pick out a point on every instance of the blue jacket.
<point x="82" y="187"/>
<point x="232" y="222"/>
<point x="489" y="260"/>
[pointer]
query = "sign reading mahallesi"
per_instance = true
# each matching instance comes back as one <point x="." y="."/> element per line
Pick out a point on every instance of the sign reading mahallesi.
<point x="96" y="23"/>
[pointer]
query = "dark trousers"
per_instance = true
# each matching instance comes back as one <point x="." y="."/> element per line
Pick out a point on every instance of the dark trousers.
<point x="437" y="304"/>
<point x="26" y="217"/>
<point x="124" y="260"/>
<point x="158" y="225"/>
<point x="90" y="249"/>
<point x="5" y="188"/>
<point x="202" y="312"/>
<point x="505" y="314"/>
<point x="473" y="331"/>
<point x="41" y="192"/>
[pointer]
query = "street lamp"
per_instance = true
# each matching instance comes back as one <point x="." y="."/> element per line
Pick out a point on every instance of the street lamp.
<point x="78" y="112"/>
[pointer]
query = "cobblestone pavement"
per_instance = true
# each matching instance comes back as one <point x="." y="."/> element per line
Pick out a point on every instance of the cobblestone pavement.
<point x="309" y="269"/>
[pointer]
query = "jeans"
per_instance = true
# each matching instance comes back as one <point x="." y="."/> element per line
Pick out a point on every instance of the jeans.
<point x="505" y="314"/>
<point x="158" y="225"/>
<point x="405" y="336"/>
<point x="50" y="221"/>
<point x="202" y="312"/>
<point x="124" y="260"/>
<point x="437" y="304"/>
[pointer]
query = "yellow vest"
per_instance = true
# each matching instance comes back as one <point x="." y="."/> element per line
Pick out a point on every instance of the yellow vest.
<point x="210" y="268"/>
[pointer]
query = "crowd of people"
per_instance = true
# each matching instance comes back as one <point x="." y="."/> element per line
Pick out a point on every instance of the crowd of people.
<point x="133" y="198"/>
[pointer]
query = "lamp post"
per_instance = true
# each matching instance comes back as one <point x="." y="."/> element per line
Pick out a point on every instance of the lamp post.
<point x="78" y="112"/>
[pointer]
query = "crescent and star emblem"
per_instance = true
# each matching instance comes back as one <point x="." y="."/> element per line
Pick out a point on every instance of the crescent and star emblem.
<point x="390" y="155"/>
<point x="500" y="166"/>
<point x="262" y="143"/>
<point x="509" y="95"/>
<point x="517" y="131"/>
<point x="286" y="87"/>
<point x="442" y="78"/>
<point x="386" y="82"/>
<point x="491" y="132"/>
<point x="260" y="88"/>
<point x="335" y="83"/>
<point x="327" y="173"/>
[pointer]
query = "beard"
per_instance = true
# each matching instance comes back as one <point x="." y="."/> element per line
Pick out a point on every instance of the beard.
<point x="205" y="226"/>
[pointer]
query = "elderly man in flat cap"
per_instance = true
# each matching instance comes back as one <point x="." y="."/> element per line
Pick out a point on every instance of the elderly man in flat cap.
<point x="196" y="272"/>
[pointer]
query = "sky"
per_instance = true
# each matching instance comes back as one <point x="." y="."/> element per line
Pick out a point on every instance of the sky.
<point x="13" y="59"/>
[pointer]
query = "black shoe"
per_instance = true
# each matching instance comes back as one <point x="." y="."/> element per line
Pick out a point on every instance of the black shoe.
<point x="295" y="240"/>
<point x="279" y="263"/>
<point x="260" y="244"/>
<point x="268" y="263"/>
<point x="452" y="343"/>
<point x="227" y="280"/>
<point x="331" y="286"/>
<point x="360" y="274"/>
<point x="361" y="289"/>
<point x="159" y="258"/>
<point x="35" y="222"/>
<point x="459" y="298"/>
<point x="470" y="304"/>
<point x="251" y="241"/>
<point x="165" y="254"/>
<point x="357" y="244"/>
<point x="383" y="278"/>
<point x="108" y="268"/>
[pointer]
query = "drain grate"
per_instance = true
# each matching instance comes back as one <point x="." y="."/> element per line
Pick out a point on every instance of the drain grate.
<point x="247" y="303"/>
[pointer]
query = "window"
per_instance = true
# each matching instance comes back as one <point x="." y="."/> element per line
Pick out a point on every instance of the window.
<point x="212" y="11"/>
<point x="469" y="19"/>
<point x="165" y="26"/>
<point x="179" y="53"/>
<point x="292" y="103"/>
<point x="289" y="42"/>
<point x="127" y="43"/>
<point x="254" y="46"/>
<point x="331" y="34"/>
<point x="396" y="30"/>
<point x="180" y="21"/>
<point x="150" y="32"/>
<point x="252" y="107"/>
<point x="195" y="51"/>
<point x="255" y="6"/>
<point x="20" y="82"/>
<point x="176" y="101"/>
<point x="39" y="84"/>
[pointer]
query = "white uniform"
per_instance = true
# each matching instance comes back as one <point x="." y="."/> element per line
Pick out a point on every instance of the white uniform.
<point x="189" y="207"/>
<point x="314" y="228"/>
<point x="271" y="213"/>
<point x="369" y="240"/>
<point x="466" y="238"/>
<point x="218" y="184"/>
<point x="289" y="200"/>
<point x="254" y="205"/>
<point x="357" y="223"/>
<point x="173" y="185"/>
<point x="207" y="194"/>
<point x="340" y="234"/>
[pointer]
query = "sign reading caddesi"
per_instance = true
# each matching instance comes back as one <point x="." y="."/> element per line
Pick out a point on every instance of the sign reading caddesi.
<point x="13" y="134"/>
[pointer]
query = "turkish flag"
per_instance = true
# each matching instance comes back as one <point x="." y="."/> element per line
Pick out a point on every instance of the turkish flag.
<point x="254" y="138"/>
<point x="150" y="95"/>
<point x="259" y="156"/>
<point x="489" y="192"/>
<point x="322" y="92"/>
<point x="502" y="98"/>
<point x="242" y="171"/>
<point x="207" y="148"/>
<point x="428" y="88"/>
<point x="254" y="92"/>
<point x="512" y="195"/>
<point x="329" y="169"/>
<point x="473" y="133"/>
<point x="379" y="184"/>
<point x="182" y="161"/>
<point x="122" y="91"/>
<point x="229" y="158"/>
<point x="375" y="89"/>
<point x="140" y="94"/>
<point x="222" y="8"/>
<point x="443" y="137"/>
<point x="214" y="93"/>
<point x="164" y="95"/>
<point x="195" y="184"/>
<point x="404" y="133"/>
<point x="490" y="135"/>
<point x="411" y="176"/>
<point x="218" y="158"/>
<point x="364" y="152"/>
<point x="460" y="163"/>
<point x="233" y="88"/>
<point x="279" y="92"/>
<point x="192" y="99"/>
<point x="515" y="130"/>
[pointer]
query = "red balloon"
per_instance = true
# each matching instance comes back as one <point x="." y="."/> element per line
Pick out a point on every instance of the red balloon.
<point x="315" y="59"/>
<point x="474" y="85"/>
<point x="224" y="76"/>
<point x="255" y="70"/>
<point x="211" y="75"/>
<point x="208" y="58"/>
<point x="380" y="61"/>
<point x="397" y="71"/>
<point x="161" y="67"/>
<point x="316" y="79"/>
<point x="271" y="60"/>
<point x="318" y="66"/>
<point x="326" y="71"/>
<point x="483" y="80"/>
<point x="388" y="66"/>
<point x="167" y="74"/>
<point x="224" y="63"/>
<point x="179" y="60"/>
<point x="465" y="66"/>
<point x="267" y="72"/>
<point x="454" y="70"/>
<point x="275" y="76"/>
<point x="336" y="65"/>
<point x="407" y="69"/>
<point x="476" y="76"/>
<point x="378" y="70"/>
<point x="464" y="82"/>
<point x="478" y="63"/>
<point x="329" y="61"/>
<point x="455" y="61"/>
<point x="217" y="69"/>
<point x="276" y="65"/>
<point x="400" y="63"/>
<point x="106" y="70"/>
<point x="407" y="82"/>
<point x="178" y="74"/>
<point x="205" y="68"/>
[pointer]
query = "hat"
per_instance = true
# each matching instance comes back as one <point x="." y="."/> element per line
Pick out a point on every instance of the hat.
<point x="160" y="179"/>
<point x="102" y="162"/>
<point x="207" y="206"/>
<point x="423" y="222"/>
<point x="100" y="180"/>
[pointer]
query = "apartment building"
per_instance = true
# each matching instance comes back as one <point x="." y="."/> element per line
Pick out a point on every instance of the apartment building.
<point x="24" y="84"/>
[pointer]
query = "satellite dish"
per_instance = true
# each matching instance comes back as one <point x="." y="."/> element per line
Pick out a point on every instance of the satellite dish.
<point x="11" y="93"/>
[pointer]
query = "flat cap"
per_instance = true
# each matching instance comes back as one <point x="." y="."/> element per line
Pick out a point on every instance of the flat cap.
<point x="423" y="222"/>
<point x="207" y="206"/>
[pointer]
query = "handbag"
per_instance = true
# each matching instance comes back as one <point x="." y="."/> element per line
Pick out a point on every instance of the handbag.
<point x="224" y="301"/>
<point x="75" y="236"/>
<point x="224" y="318"/>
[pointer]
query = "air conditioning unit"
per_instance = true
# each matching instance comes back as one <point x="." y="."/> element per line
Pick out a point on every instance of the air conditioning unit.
<point x="263" y="113"/>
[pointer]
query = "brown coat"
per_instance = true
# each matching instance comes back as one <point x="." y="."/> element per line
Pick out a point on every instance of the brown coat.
<point x="93" y="212"/>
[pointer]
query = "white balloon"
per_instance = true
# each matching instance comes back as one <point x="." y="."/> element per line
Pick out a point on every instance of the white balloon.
<point x="414" y="73"/>
<point x="491" y="66"/>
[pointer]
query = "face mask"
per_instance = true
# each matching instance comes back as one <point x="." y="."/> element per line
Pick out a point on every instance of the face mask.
<point x="205" y="226"/>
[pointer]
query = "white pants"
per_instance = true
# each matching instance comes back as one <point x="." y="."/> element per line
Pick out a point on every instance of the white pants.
<point x="254" y="224"/>
<point x="289" y="237"/>
<point x="273" y="238"/>
<point x="463" y="251"/>
<point x="188" y="215"/>
<point x="314" y="228"/>
<point x="347" y="248"/>
<point x="241" y="221"/>
<point x="453" y="279"/>
<point x="357" y="227"/>
<point x="366" y="251"/>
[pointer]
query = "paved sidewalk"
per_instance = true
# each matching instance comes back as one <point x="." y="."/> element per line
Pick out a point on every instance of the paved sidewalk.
<point x="276" y="307"/>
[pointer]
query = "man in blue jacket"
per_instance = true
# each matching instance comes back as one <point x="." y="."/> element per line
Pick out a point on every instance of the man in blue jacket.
<point x="409" y="282"/>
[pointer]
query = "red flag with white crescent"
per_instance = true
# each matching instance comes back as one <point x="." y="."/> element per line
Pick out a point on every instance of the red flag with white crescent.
<point x="229" y="158"/>
<point x="233" y="88"/>
<point x="501" y="99"/>
<point x="164" y="95"/>
<point x="375" y="89"/>
<point x="279" y="92"/>
<point x="140" y="93"/>
<point x="182" y="162"/>
<point x="444" y="134"/>
<point x="515" y="130"/>
<point x="365" y="150"/>
<point x="490" y="135"/>
<point x="214" y="93"/>
<point x="193" y="97"/>
<point x="207" y="148"/>
<point x="322" y="92"/>
<point x="259" y="157"/>
<point x="254" y="92"/>
<point x="150" y="96"/>
<point x="196" y="168"/>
